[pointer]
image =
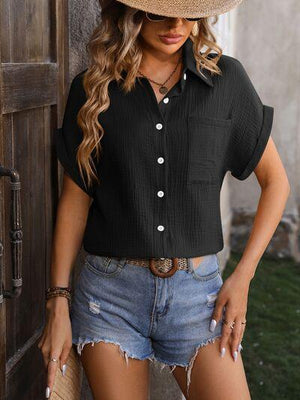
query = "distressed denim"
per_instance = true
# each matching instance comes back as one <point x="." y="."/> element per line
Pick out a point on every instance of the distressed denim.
<point x="148" y="317"/>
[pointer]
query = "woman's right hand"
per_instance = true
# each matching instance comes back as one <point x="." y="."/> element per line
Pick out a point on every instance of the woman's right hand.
<point x="56" y="339"/>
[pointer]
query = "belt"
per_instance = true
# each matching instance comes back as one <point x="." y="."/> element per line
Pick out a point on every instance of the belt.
<point x="162" y="267"/>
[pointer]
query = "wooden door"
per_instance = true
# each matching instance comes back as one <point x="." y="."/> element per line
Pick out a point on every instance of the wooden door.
<point x="34" y="85"/>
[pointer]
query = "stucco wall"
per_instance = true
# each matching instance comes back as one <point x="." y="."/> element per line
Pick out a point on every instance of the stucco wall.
<point x="83" y="17"/>
<point x="266" y="40"/>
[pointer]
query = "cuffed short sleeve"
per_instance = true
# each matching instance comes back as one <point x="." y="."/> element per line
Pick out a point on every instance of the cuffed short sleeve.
<point x="69" y="136"/>
<point x="251" y="126"/>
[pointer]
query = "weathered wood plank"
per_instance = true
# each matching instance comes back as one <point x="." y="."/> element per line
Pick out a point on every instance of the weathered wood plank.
<point x="28" y="86"/>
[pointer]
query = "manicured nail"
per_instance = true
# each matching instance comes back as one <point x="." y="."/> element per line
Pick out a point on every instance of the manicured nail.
<point x="64" y="368"/>
<point x="235" y="354"/>
<point x="223" y="351"/>
<point x="212" y="325"/>
<point x="240" y="348"/>
<point x="47" y="392"/>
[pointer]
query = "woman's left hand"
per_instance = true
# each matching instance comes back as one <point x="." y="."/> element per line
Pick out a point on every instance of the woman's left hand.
<point x="233" y="295"/>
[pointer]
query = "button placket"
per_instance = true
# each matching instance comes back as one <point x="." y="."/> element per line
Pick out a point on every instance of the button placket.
<point x="165" y="112"/>
<point x="161" y="160"/>
<point x="160" y="126"/>
<point x="160" y="193"/>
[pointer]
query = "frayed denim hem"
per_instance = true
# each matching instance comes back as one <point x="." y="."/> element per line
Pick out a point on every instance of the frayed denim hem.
<point x="188" y="367"/>
<point x="81" y="342"/>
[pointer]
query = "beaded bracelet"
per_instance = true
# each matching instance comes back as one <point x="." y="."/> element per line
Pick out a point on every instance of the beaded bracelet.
<point x="55" y="294"/>
<point x="61" y="295"/>
<point x="58" y="291"/>
<point x="50" y="289"/>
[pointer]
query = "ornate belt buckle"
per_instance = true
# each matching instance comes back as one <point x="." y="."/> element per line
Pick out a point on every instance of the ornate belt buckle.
<point x="171" y="272"/>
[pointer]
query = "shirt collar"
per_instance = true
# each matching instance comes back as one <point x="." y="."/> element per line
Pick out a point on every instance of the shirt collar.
<point x="189" y="62"/>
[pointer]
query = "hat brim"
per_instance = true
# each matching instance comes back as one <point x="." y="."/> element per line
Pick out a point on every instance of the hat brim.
<point x="187" y="9"/>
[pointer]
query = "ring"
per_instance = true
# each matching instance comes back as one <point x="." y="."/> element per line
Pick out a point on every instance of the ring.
<point x="227" y="323"/>
<point x="53" y="359"/>
<point x="232" y="324"/>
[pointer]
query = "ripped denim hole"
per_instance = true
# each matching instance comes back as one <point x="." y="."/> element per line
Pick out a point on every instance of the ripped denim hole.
<point x="94" y="307"/>
<point x="211" y="298"/>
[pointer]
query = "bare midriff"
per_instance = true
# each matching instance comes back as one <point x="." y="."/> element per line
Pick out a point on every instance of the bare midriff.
<point x="196" y="261"/>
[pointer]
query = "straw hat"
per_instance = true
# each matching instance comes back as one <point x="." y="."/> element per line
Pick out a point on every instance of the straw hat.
<point x="178" y="8"/>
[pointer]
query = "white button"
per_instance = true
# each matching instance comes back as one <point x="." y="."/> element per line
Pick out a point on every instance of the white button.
<point x="160" y="193"/>
<point x="160" y="227"/>
<point x="160" y="160"/>
<point x="162" y="258"/>
<point x="184" y="76"/>
<point x="159" y="126"/>
<point x="166" y="100"/>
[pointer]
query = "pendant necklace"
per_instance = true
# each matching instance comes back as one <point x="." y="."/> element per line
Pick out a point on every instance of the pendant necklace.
<point x="163" y="89"/>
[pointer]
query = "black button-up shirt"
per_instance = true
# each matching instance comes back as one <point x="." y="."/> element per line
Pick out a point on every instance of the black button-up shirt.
<point x="163" y="164"/>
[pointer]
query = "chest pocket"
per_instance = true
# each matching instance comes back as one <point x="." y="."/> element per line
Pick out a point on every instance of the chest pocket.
<point x="207" y="138"/>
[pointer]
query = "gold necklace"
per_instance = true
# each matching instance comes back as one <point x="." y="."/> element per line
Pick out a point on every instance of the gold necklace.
<point x="163" y="88"/>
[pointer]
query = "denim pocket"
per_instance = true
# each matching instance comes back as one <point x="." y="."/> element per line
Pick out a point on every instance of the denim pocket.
<point x="103" y="265"/>
<point x="207" y="269"/>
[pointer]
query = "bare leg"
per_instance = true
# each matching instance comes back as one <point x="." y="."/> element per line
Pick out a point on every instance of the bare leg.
<point x="214" y="377"/>
<point x="110" y="376"/>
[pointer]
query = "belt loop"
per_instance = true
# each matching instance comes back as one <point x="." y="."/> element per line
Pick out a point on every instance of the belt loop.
<point x="190" y="263"/>
<point x="122" y="261"/>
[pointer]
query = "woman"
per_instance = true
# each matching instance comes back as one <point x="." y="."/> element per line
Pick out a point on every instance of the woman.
<point x="157" y="124"/>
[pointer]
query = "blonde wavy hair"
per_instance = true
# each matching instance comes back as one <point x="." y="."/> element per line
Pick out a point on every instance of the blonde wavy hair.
<point x="114" y="46"/>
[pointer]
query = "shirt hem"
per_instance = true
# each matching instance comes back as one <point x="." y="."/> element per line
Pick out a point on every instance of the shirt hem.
<point x="200" y="253"/>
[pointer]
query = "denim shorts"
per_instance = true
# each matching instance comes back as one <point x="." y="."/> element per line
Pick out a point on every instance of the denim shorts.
<point x="148" y="317"/>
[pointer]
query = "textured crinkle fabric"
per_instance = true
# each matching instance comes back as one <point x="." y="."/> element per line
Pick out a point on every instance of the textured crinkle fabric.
<point x="69" y="136"/>
<point x="163" y="163"/>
